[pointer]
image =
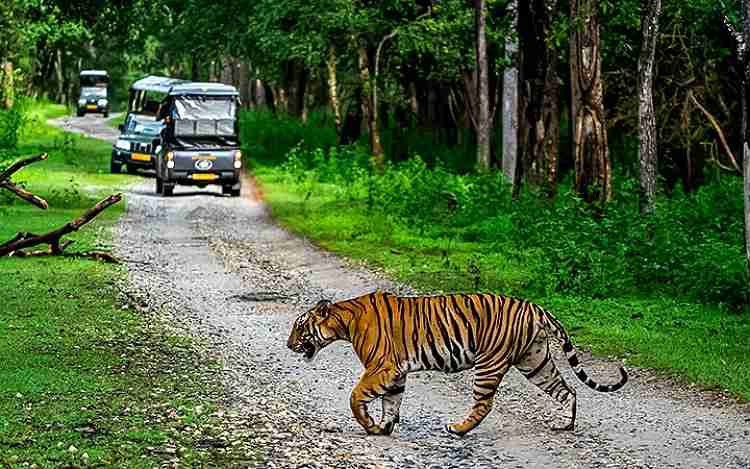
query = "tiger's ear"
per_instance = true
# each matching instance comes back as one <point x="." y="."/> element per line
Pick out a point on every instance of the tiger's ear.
<point x="322" y="307"/>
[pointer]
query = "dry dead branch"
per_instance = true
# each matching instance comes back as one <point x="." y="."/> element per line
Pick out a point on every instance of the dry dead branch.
<point x="53" y="239"/>
<point x="6" y="183"/>
<point x="716" y="126"/>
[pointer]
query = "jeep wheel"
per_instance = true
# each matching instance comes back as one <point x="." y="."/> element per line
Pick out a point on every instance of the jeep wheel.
<point x="131" y="169"/>
<point x="167" y="189"/>
<point x="80" y="113"/>
<point x="106" y="114"/>
<point x="226" y="190"/>
<point x="159" y="185"/>
<point x="114" y="167"/>
<point x="236" y="192"/>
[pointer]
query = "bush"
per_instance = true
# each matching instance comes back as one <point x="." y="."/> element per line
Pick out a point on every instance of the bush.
<point x="12" y="123"/>
<point x="691" y="248"/>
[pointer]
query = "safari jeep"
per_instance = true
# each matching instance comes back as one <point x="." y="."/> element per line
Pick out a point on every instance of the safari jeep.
<point x="200" y="144"/>
<point x="141" y="133"/>
<point x="93" y="95"/>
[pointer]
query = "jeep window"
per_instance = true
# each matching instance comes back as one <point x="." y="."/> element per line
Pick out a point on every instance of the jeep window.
<point x="93" y="92"/>
<point x="205" y="107"/>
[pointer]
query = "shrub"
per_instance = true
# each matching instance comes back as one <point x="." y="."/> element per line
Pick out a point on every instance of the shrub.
<point x="692" y="247"/>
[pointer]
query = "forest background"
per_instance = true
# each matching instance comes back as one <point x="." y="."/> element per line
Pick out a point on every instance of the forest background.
<point x="584" y="154"/>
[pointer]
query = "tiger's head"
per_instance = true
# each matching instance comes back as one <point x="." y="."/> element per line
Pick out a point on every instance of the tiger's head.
<point x="314" y="330"/>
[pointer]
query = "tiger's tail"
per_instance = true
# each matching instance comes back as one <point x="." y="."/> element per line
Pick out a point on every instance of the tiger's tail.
<point x="570" y="352"/>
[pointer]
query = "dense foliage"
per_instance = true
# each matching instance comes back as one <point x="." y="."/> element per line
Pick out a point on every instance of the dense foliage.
<point x="691" y="249"/>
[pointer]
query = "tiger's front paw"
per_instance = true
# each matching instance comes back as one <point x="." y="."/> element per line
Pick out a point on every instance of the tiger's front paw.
<point x="455" y="429"/>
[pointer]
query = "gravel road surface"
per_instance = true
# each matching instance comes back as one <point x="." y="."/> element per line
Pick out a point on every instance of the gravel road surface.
<point x="221" y="270"/>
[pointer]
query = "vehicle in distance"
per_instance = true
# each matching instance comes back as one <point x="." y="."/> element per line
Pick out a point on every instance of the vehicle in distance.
<point x="93" y="97"/>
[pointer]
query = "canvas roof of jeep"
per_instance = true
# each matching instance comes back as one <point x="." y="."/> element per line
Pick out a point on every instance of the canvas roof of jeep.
<point x="156" y="83"/>
<point x="100" y="73"/>
<point x="203" y="89"/>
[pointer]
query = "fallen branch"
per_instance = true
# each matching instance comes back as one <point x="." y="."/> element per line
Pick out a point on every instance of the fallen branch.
<point x="6" y="183"/>
<point x="53" y="238"/>
<point x="716" y="126"/>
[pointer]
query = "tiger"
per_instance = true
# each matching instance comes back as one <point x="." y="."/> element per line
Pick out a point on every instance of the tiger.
<point x="397" y="335"/>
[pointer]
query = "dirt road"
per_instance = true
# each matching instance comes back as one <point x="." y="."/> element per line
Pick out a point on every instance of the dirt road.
<point x="220" y="269"/>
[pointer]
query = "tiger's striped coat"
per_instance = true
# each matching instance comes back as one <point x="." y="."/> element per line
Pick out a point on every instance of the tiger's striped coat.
<point x="394" y="336"/>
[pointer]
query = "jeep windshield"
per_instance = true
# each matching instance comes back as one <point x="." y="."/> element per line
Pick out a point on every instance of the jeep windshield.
<point x="145" y="126"/>
<point x="93" y="92"/>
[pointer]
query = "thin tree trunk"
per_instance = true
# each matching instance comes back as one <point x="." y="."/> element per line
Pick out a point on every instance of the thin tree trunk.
<point x="591" y="149"/>
<point x="194" y="74"/>
<point x="369" y="111"/>
<point x="8" y="88"/>
<point x="59" y="76"/>
<point x="510" y="100"/>
<point x="413" y="100"/>
<point x="333" y="94"/>
<point x="246" y="95"/>
<point x="484" y="122"/>
<point x="650" y="11"/>
<point x="745" y="145"/>
<point x="539" y="100"/>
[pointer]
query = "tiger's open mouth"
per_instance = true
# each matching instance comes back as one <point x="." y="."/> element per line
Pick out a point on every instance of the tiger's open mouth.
<point x="308" y="351"/>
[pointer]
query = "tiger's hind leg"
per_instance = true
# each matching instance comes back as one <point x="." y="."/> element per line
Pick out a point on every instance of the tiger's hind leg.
<point x="392" y="405"/>
<point x="486" y="381"/>
<point x="539" y="368"/>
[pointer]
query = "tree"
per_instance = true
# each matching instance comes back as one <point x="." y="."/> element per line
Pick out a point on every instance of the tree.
<point x="650" y="11"/>
<point x="10" y="43"/>
<point x="510" y="99"/>
<point x="539" y="109"/>
<point x="745" y="140"/>
<point x="593" y="179"/>
<point x="484" y="120"/>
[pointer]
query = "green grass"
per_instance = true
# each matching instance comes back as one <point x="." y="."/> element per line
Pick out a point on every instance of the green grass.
<point x="84" y="380"/>
<point x="704" y="343"/>
<point x="117" y="120"/>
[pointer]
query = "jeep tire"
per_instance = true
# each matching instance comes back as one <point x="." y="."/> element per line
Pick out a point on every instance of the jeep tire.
<point x="167" y="189"/>
<point x="159" y="185"/>
<point x="115" y="167"/>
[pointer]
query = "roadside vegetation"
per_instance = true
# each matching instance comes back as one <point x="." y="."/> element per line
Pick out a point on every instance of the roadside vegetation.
<point x="86" y="380"/>
<point x="668" y="293"/>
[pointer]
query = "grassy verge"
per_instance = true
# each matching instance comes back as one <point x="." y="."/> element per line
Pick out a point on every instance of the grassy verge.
<point x="116" y="121"/>
<point x="84" y="380"/>
<point x="702" y="342"/>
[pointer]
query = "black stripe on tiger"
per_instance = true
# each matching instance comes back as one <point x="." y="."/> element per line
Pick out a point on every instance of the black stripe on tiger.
<point x="570" y="351"/>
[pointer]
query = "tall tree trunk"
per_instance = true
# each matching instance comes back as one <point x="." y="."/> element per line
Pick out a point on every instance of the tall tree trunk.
<point x="352" y="128"/>
<point x="333" y="94"/>
<point x="650" y="11"/>
<point x="539" y="101"/>
<point x="368" y="109"/>
<point x="483" y="123"/>
<point x="510" y="100"/>
<point x="745" y="140"/>
<point x="591" y="150"/>
<point x="7" y="88"/>
<point x="194" y="71"/>
<point x="246" y="95"/>
<point x="59" y="74"/>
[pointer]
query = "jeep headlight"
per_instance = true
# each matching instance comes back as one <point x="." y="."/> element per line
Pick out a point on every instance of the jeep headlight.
<point x="237" y="159"/>
<point x="81" y="101"/>
<point x="102" y="102"/>
<point x="122" y="144"/>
